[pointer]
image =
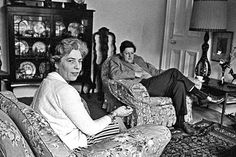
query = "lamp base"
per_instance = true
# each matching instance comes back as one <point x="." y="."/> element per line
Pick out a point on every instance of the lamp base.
<point x="203" y="67"/>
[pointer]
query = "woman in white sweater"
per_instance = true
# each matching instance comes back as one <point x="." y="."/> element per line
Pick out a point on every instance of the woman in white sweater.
<point x="61" y="104"/>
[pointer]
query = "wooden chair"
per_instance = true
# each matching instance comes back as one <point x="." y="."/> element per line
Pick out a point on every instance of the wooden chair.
<point x="103" y="47"/>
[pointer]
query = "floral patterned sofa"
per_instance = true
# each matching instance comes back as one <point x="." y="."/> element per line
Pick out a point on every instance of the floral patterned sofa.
<point x="148" y="110"/>
<point x="25" y="133"/>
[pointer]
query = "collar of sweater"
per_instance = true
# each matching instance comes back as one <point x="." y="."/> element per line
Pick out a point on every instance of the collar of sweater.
<point x="55" y="75"/>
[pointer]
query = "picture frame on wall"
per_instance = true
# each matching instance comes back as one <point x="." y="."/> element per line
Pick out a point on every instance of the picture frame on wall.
<point x="221" y="46"/>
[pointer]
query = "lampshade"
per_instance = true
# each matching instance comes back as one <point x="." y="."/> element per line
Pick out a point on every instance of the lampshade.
<point x="209" y="15"/>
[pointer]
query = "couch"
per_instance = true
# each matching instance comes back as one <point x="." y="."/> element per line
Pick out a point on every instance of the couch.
<point x="148" y="110"/>
<point x="25" y="133"/>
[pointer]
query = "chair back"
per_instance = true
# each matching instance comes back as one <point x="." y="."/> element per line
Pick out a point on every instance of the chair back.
<point x="103" y="47"/>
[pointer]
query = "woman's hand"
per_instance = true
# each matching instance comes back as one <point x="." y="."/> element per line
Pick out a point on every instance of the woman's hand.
<point x="123" y="111"/>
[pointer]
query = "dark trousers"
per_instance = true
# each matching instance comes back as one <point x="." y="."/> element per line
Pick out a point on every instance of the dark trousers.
<point x="171" y="83"/>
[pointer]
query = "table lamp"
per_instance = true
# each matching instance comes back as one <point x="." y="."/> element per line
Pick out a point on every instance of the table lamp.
<point x="207" y="16"/>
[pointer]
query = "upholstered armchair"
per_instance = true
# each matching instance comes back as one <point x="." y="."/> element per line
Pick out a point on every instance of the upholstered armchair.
<point x="147" y="110"/>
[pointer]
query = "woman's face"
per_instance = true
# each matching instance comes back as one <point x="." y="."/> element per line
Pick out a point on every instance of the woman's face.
<point x="70" y="65"/>
<point x="128" y="54"/>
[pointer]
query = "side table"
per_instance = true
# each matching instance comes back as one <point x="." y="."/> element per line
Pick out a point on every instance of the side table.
<point x="214" y="87"/>
<point x="3" y="75"/>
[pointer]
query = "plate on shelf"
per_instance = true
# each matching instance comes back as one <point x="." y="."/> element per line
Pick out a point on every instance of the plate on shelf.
<point x="59" y="28"/>
<point x="73" y="28"/>
<point x="79" y="1"/>
<point x="27" y="68"/>
<point x="23" y="26"/>
<point x="39" y="47"/>
<point x="21" y="47"/>
<point x="17" y="19"/>
<point x="39" y="27"/>
<point x="42" y="67"/>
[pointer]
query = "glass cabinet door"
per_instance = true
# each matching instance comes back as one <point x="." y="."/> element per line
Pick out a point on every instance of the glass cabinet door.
<point x="70" y="27"/>
<point x="32" y="45"/>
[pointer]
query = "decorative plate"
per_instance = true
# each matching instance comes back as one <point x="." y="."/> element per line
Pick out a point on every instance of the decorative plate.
<point x="79" y="1"/>
<point x="39" y="27"/>
<point x="28" y="68"/>
<point x="23" y="26"/>
<point x="59" y="28"/>
<point x="17" y="19"/>
<point x="39" y="47"/>
<point x="42" y="68"/>
<point x="73" y="28"/>
<point x="21" y="47"/>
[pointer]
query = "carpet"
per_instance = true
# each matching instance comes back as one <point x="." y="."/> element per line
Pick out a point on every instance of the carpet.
<point x="212" y="141"/>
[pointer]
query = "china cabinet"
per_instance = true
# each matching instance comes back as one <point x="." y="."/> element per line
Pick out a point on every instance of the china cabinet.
<point x="33" y="33"/>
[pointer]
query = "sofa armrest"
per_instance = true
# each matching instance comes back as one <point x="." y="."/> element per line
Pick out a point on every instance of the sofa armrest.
<point x="146" y="140"/>
<point x="12" y="142"/>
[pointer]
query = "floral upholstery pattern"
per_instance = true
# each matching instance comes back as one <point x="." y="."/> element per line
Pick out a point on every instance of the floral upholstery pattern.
<point x="148" y="110"/>
<point x="110" y="102"/>
<point x="145" y="141"/>
<point x="135" y="95"/>
<point x="189" y="116"/>
<point x="36" y="130"/>
<point x="11" y="140"/>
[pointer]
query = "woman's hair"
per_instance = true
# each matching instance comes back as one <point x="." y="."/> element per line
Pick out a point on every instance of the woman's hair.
<point x="65" y="46"/>
<point x="127" y="44"/>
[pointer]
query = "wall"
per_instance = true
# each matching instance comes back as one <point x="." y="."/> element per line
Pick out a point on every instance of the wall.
<point x="231" y="26"/>
<point x="135" y="20"/>
<point x="139" y="21"/>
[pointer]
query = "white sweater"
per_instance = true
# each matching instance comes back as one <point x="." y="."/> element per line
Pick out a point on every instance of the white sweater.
<point x="61" y="105"/>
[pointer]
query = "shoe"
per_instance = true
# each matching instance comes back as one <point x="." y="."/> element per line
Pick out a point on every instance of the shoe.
<point x="211" y="99"/>
<point x="215" y="100"/>
<point x="187" y="128"/>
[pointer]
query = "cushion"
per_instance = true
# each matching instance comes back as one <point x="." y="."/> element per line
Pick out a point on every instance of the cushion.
<point x="146" y="141"/>
<point x="36" y="130"/>
<point x="11" y="140"/>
